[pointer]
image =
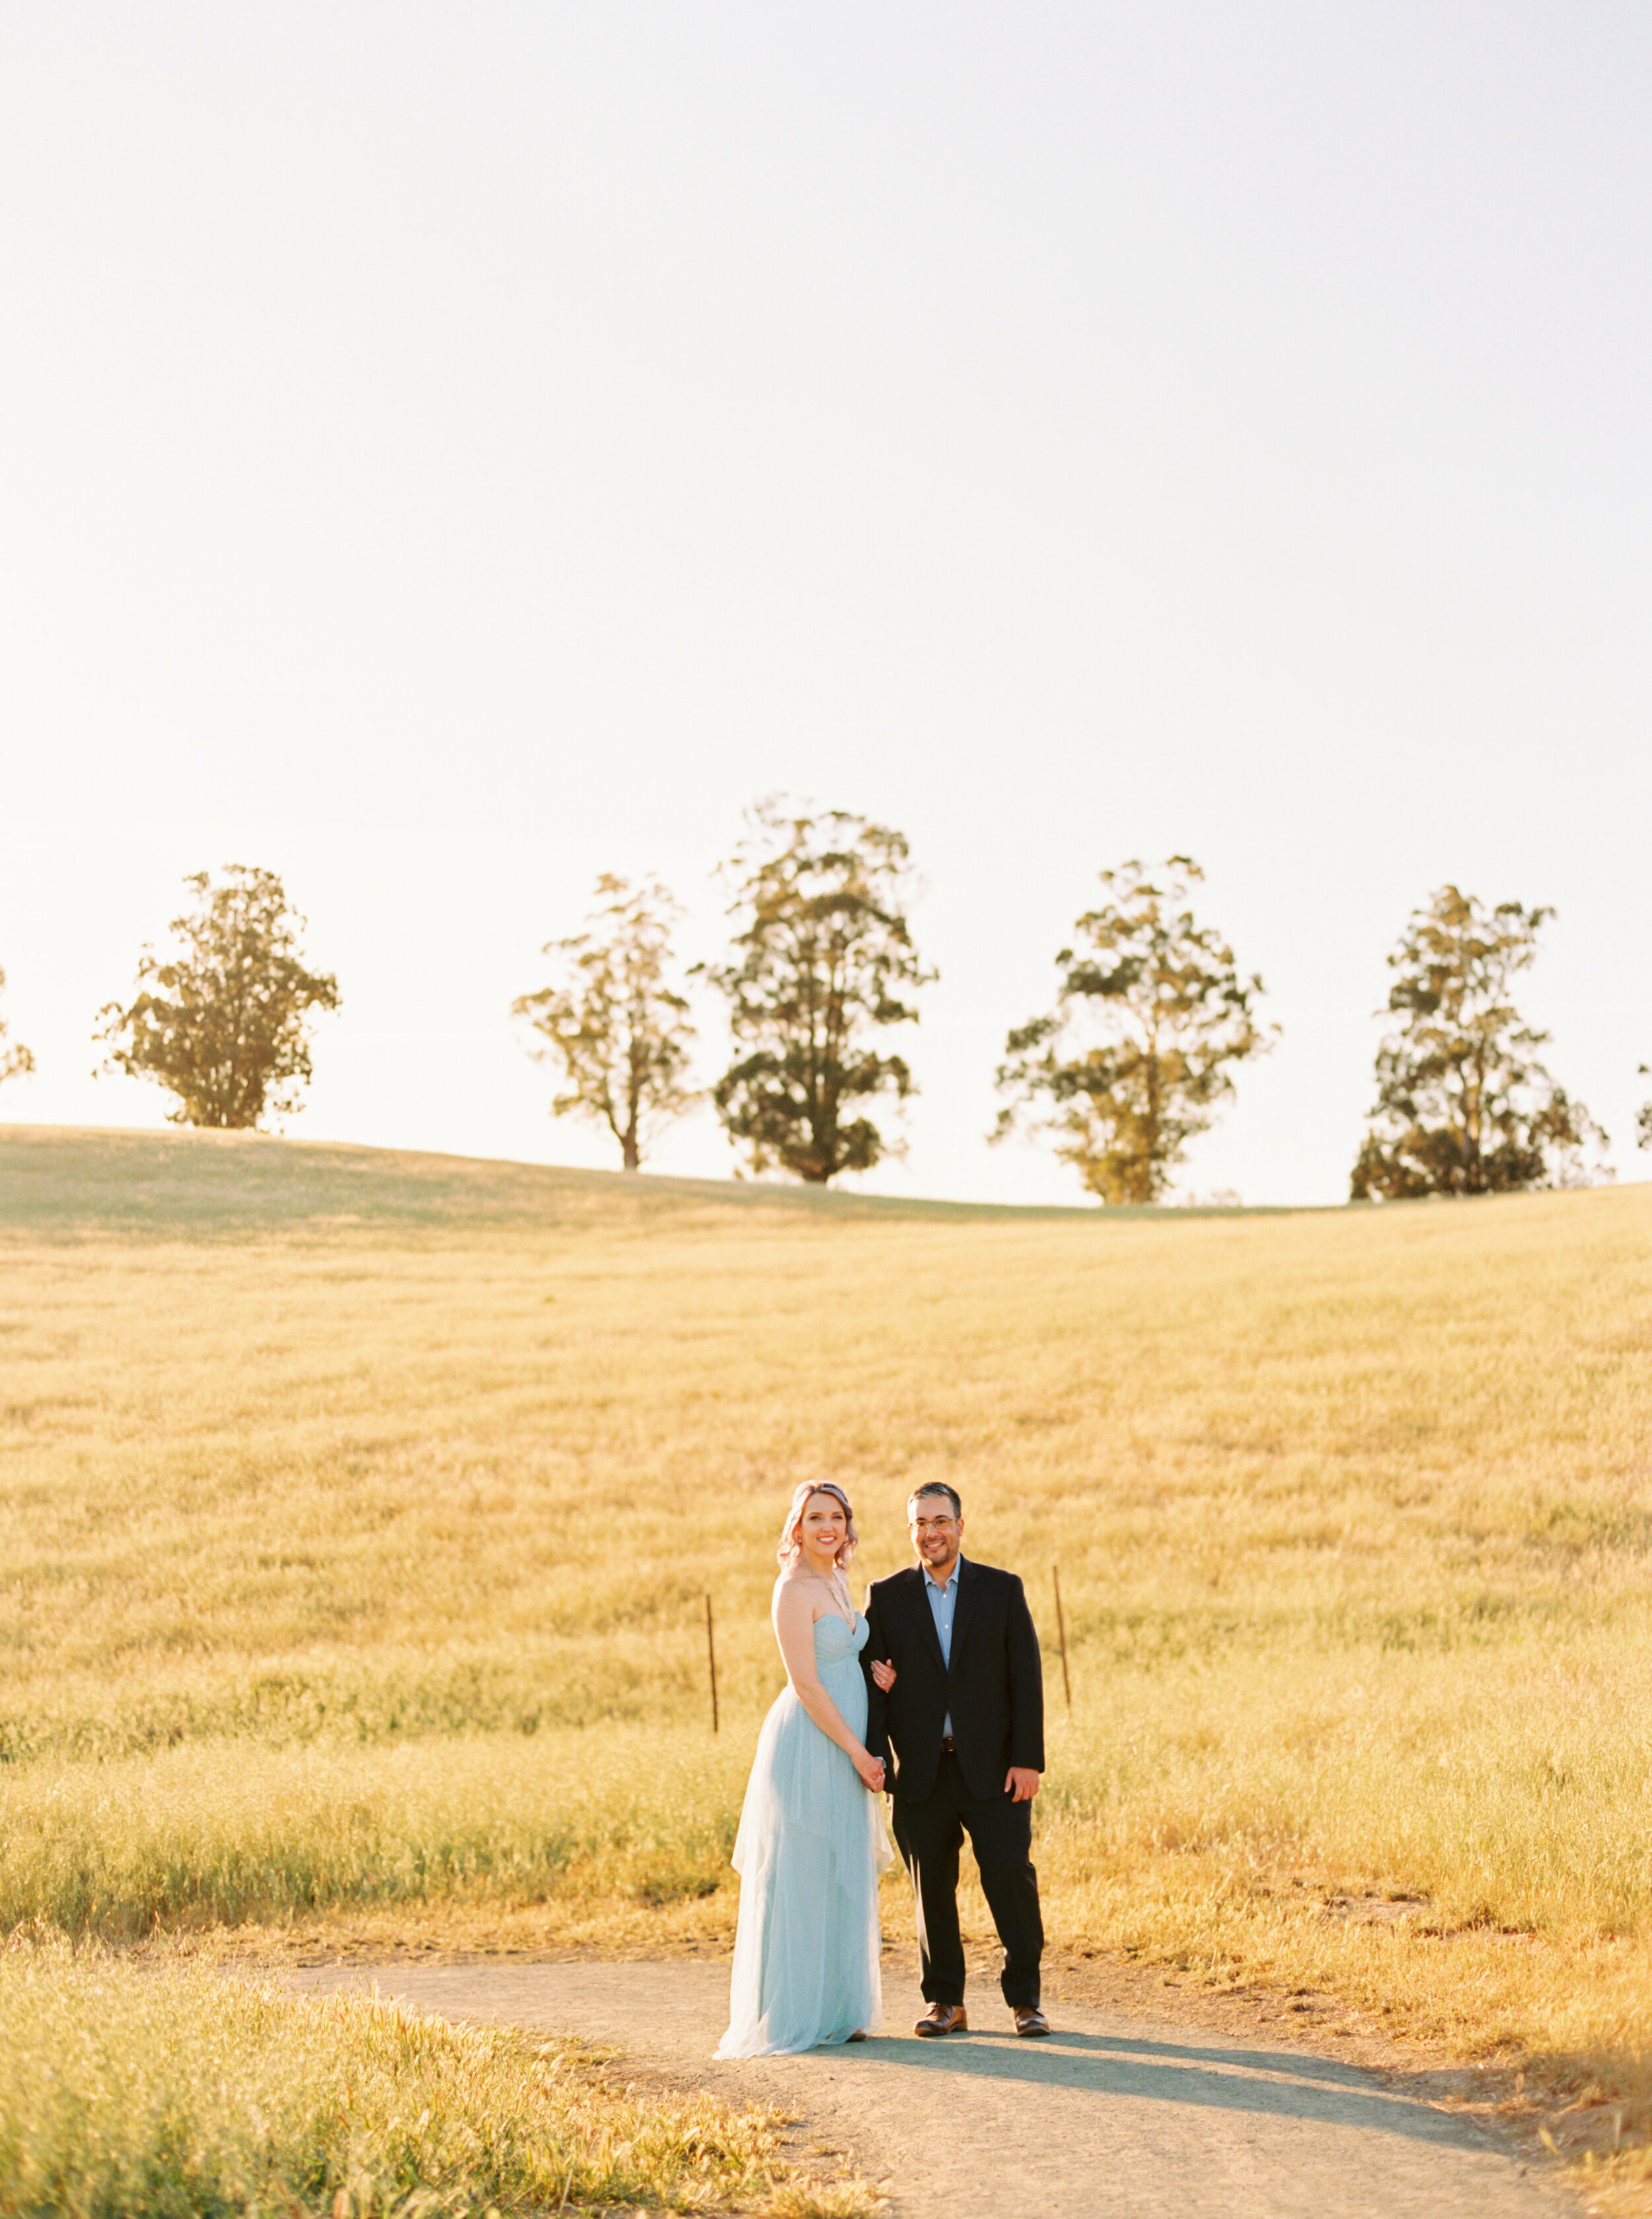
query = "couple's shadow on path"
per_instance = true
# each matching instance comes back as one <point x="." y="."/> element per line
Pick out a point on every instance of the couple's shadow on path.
<point x="1280" y="2083"/>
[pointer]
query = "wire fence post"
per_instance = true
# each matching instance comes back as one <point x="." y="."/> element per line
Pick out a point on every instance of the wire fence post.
<point x="1061" y="1634"/>
<point x="711" y="1659"/>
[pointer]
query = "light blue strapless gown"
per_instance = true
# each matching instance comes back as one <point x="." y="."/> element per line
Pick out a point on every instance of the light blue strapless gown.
<point x="809" y="1852"/>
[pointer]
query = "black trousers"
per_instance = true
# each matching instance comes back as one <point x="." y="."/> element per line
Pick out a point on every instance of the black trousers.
<point x="929" y="1835"/>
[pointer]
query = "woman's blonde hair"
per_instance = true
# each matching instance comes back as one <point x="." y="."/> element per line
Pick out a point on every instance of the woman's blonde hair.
<point x="789" y="1544"/>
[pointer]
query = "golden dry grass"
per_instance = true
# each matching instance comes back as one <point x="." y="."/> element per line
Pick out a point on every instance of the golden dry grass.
<point x="358" y="1512"/>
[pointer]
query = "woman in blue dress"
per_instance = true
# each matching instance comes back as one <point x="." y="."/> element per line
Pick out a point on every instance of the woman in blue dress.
<point x="812" y="1843"/>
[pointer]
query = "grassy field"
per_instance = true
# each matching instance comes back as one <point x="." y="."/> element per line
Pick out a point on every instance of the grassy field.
<point x="358" y="1512"/>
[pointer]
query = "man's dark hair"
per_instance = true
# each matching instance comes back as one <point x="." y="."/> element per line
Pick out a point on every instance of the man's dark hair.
<point x="939" y="1487"/>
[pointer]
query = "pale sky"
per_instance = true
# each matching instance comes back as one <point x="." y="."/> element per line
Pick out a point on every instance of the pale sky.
<point x="452" y="452"/>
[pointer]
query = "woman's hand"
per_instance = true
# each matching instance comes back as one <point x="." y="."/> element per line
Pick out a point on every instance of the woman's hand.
<point x="883" y="1673"/>
<point x="870" y="1769"/>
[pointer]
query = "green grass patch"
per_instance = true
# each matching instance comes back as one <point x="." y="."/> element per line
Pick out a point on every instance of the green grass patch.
<point x="174" y="2092"/>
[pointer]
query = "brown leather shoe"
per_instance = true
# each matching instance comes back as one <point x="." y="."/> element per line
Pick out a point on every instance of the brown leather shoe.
<point x="1029" y="2019"/>
<point x="943" y="2018"/>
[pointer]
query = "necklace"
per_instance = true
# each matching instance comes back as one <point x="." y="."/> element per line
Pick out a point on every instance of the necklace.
<point x="838" y="1588"/>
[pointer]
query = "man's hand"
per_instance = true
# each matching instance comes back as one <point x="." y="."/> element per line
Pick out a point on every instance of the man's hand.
<point x="1023" y="1784"/>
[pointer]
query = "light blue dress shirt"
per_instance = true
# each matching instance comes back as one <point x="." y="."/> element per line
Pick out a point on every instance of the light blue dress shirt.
<point x="943" y="1604"/>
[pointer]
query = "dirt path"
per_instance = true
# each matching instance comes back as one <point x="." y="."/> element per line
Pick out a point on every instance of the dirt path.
<point x="1113" y="2118"/>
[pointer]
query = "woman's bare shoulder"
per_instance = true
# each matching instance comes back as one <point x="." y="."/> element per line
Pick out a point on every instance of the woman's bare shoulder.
<point x="796" y="1593"/>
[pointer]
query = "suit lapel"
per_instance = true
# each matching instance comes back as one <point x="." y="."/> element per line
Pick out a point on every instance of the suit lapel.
<point x="969" y="1587"/>
<point x="925" y="1615"/>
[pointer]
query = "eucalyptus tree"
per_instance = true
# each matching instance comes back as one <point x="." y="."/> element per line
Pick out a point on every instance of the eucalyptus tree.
<point x="1137" y="1058"/>
<point x="613" y="1023"/>
<point x="820" y="968"/>
<point x="1464" y="1104"/>
<point x="16" y="1061"/>
<point x="223" y="1022"/>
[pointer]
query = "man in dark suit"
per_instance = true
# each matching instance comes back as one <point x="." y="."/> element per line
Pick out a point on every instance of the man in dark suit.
<point x="964" y="1722"/>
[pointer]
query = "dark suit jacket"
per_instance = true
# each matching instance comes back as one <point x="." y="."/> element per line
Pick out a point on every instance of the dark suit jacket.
<point x="995" y="1689"/>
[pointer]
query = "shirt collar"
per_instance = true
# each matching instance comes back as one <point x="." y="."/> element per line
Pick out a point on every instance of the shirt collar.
<point x="951" y="1587"/>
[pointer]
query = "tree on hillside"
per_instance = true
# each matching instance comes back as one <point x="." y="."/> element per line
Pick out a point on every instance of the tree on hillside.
<point x="819" y="969"/>
<point x="618" y="1030"/>
<point x="1644" y="1117"/>
<point x="1137" y="1057"/>
<point x="16" y="1061"/>
<point x="221" y="1022"/>
<point x="1463" y="1104"/>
